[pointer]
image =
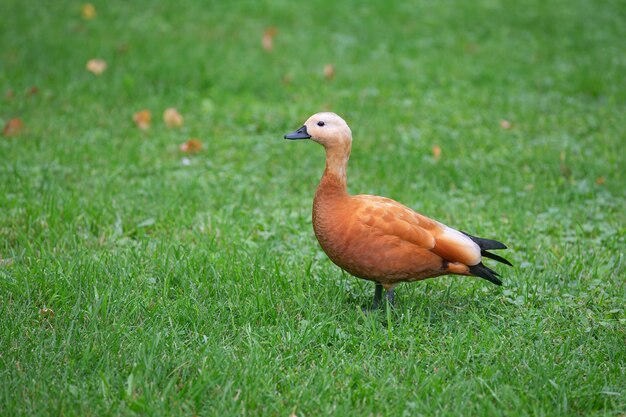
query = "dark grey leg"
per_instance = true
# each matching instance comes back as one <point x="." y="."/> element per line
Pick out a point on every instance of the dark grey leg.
<point x="378" y="294"/>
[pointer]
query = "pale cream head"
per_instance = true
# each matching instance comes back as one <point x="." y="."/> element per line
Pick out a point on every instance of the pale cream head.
<point x="329" y="130"/>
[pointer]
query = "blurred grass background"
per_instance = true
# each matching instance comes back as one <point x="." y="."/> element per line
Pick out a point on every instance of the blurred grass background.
<point x="135" y="279"/>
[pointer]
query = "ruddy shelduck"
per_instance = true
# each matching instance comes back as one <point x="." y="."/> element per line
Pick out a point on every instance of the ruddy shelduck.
<point x="379" y="239"/>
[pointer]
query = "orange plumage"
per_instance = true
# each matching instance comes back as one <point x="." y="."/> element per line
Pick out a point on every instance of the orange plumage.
<point x="379" y="239"/>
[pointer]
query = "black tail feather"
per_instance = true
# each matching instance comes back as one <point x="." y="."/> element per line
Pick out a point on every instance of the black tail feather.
<point x="489" y="244"/>
<point x="484" y="272"/>
<point x="495" y="257"/>
<point x="481" y="270"/>
<point x="485" y="244"/>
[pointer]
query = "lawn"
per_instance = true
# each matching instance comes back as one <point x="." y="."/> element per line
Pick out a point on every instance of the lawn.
<point x="136" y="279"/>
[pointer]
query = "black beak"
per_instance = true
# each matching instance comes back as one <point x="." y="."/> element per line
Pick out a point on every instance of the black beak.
<point x="298" y="134"/>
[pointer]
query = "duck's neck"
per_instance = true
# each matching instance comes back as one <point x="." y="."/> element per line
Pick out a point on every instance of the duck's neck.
<point x="334" y="181"/>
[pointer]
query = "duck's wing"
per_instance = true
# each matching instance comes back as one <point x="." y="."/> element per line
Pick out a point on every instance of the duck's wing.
<point x="390" y="218"/>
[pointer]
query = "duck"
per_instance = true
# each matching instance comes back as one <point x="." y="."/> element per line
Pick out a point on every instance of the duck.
<point x="379" y="239"/>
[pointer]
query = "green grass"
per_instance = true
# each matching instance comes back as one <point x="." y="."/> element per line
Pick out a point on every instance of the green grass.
<point x="200" y="289"/>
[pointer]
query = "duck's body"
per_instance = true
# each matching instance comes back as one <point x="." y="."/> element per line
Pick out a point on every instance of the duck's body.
<point x="379" y="239"/>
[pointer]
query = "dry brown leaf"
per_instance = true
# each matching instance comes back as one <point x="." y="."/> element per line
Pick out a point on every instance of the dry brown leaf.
<point x="96" y="66"/>
<point x="505" y="124"/>
<point x="172" y="118"/>
<point x="287" y="79"/>
<point x="46" y="312"/>
<point x="268" y="38"/>
<point x="191" y="146"/>
<point x="32" y="90"/>
<point x="9" y="95"/>
<point x="600" y="180"/>
<point x="470" y="47"/>
<point x="142" y="119"/>
<point x="89" y="11"/>
<point x="565" y="170"/>
<point x="329" y="71"/>
<point x="436" y="152"/>
<point x="12" y="127"/>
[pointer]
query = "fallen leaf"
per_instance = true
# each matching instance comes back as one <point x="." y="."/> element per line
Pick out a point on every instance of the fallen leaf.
<point x="565" y="170"/>
<point x="600" y="180"/>
<point x="172" y="118"/>
<point x="268" y="38"/>
<point x="191" y="146"/>
<point x="12" y="127"/>
<point x="46" y="312"/>
<point x="436" y="152"/>
<point x="287" y="79"/>
<point x="505" y="124"/>
<point x="89" y="11"/>
<point x="10" y="94"/>
<point x="96" y="66"/>
<point x="329" y="71"/>
<point x="142" y="119"/>
<point x="32" y="90"/>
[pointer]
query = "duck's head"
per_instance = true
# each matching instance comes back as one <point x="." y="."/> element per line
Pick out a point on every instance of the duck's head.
<point x="327" y="129"/>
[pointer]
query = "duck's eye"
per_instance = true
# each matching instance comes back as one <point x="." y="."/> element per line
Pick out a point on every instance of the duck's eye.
<point x="320" y="123"/>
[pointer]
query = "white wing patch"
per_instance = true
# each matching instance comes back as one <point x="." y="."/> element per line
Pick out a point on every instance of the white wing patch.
<point x="468" y="245"/>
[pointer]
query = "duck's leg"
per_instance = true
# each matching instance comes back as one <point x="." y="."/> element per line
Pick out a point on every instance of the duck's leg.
<point x="378" y="295"/>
